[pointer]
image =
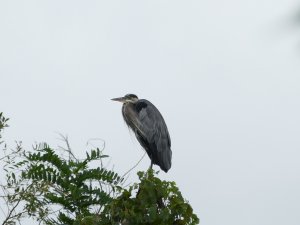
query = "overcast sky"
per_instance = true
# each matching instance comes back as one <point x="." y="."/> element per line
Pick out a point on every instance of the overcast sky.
<point x="224" y="74"/>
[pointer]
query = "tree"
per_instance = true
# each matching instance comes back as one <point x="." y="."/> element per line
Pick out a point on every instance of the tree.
<point x="149" y="202"/>
<point x="52" y="189"/>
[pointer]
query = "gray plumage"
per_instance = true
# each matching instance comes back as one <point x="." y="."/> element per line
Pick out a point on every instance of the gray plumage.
<point x="150" y="129"/>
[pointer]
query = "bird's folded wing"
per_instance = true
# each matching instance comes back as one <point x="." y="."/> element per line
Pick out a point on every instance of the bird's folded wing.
<point x="152" y="125"/>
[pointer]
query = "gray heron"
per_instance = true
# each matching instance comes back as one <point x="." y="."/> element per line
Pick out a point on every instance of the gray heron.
<point x="149" y="127"/>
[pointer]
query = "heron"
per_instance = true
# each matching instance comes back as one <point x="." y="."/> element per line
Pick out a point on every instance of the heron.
<point x="150" y="129"/>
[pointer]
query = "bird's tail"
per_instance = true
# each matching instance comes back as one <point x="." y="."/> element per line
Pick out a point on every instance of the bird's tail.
<point x="166" y="157"/>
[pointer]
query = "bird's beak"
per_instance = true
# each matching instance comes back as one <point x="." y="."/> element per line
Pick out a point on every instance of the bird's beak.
<point x="121" y="99"/>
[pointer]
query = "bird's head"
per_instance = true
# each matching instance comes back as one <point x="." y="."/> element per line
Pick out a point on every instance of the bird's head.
<point x="129" y="98"/>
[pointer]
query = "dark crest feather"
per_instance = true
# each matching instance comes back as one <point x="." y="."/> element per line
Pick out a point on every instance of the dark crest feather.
<point x="131" y="96"/>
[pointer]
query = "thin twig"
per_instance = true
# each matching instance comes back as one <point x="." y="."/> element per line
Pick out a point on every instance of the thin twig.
<point x="134" y="166"/>
<point x="12" y="210"/>
<point x="68" y="149"/>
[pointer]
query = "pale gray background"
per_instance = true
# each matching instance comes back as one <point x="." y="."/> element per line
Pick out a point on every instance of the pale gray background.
<point x="224" y="74"/>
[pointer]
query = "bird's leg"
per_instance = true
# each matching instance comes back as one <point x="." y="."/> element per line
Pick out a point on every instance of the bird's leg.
<point x="150" y="168"/>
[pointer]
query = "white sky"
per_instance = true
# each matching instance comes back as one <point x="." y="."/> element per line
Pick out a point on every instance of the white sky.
<point x="225" y="76"/>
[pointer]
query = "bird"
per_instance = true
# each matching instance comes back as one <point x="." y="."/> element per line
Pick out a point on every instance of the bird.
<point x="150" y="129"/>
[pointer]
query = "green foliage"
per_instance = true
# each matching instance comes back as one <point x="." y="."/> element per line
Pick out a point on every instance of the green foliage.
<point x="156" y="202"/>
<point x="47" y="179"/>
<point x="53" y="190"/>
<point x="3" y="123"/>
